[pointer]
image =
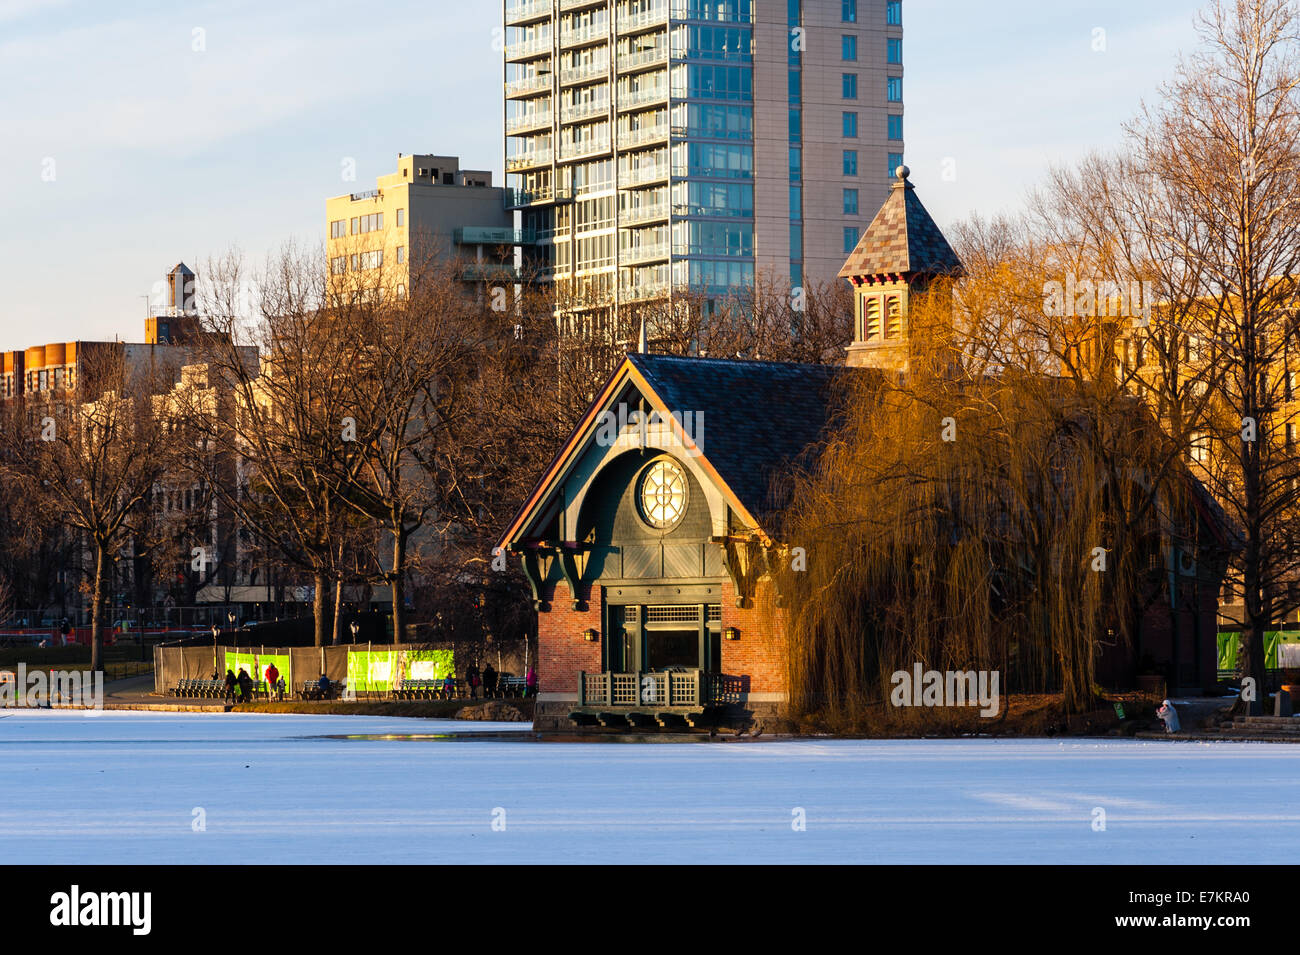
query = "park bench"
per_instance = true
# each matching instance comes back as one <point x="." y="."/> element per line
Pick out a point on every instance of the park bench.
<point x="511" y="686"/>
<point x="418" y="689"/>
<point x="311" y="690"/>
<point x="198" y="688"/>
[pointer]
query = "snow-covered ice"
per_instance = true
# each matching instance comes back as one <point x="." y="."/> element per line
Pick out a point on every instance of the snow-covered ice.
<point x="123" y="787"/>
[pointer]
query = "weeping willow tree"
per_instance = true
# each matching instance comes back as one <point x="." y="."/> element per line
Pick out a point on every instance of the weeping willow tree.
<point x="1001" y="507"/>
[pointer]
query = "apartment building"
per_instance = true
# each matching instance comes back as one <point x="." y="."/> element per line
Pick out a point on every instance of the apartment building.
<point x="430" y="210"/>
<point x="662" y="145"/>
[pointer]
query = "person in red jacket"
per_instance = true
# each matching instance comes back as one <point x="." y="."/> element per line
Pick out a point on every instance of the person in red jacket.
<point x="272" y="680"/>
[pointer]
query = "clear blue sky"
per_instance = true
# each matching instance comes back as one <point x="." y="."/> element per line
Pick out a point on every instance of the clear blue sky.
<point x="162" y="152"/>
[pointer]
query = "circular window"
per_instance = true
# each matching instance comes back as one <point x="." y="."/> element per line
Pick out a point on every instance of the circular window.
<point x="663" y="494"/>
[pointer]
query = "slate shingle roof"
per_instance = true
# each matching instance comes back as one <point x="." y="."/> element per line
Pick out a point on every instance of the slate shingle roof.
<point x="759" y="416"/>
<point x="901" y="239"/>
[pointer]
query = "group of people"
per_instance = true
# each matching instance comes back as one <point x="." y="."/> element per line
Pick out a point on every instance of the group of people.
<point x="239" y="689"/>
<point x="488" y="679"/>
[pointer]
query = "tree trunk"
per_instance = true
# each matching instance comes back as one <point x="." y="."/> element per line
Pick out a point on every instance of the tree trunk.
<point x="398" y="588"/>
<point x="336" y="637"/>
<point x="320" y="607"/>
<point x="97" y="611"/>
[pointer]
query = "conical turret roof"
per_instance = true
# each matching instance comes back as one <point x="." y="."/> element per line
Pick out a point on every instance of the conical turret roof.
<point x="902" y="239"/>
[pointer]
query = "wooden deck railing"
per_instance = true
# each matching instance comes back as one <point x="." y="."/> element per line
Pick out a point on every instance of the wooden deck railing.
<point x="662" y="688"/>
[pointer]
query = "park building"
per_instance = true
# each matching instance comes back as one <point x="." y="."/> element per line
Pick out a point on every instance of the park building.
<point x="428" y="213"/>
<point x="656" y="148"/>
<point x="651" y="538"/>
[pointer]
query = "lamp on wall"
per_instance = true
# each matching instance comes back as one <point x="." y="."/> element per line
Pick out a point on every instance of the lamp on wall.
<point x="590" y="635"/>
<point x="731" y="633"/>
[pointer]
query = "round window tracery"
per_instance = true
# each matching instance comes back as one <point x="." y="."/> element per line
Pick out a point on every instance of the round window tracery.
<point x="663" y="494"/>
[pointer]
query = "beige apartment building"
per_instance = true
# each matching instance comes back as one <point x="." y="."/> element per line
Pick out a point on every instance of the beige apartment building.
<point x="429" y="211"/>
<point x="663" y="145"/>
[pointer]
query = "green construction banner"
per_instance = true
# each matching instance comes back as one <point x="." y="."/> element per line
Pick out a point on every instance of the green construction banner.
<point x="256" y="664"/>
<point x="380" y="671"/>
<point x="1278" y="644"/>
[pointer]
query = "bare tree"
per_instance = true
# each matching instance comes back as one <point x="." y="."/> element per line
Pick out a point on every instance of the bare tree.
<point x="1219" y="160"/>
<point x="90" y="458"/>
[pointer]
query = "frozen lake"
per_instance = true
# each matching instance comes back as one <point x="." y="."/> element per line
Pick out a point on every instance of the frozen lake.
<point x="125" y="787"/>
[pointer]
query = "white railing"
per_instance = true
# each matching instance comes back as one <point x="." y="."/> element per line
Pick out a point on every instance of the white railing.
<point x="527" y="48"/>
<point x="576" y="74"/>
<point x="645" y="18"/>
<point x="639" y="174"/>
<point x="535" y="157"/>
<point x="529" y="121"/>
<point x="527" y="9"/>
<point x="578" y="111"/>
<point x="644" y="213"/>
<point x="529" y="84"/>
<point x="632" y="61"/>
<point x="640" y="291"/>
<point x="644" y="134"/>
<point x="586" y="147"/>
<point x="644" y="253"/>
<point x="584" y="34"/>
<point x="652" y="94"/>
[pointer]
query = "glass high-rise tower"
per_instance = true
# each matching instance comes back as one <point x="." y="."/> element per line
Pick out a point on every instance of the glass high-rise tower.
<point x="660" y="145"/>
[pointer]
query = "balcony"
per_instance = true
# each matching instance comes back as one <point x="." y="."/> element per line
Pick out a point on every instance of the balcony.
<point x="487" y="272"/>
<point x="579" y="4"/>
<point x="658" y="133"/>
<point x="642" y="59"/>
<point x="580" y="111"/>
<point x="644" y="20"/>
<point x="592" y="33"/>
<point x="587" y="147"/>
<point x="584" y="72"/>
<point x="522" y="198"/>
<point x="637" y="175"/>
<point x="644" y="253"/>
<point x="643" y="291"/>
<point x="538" y="119"/>
<point x="530" y="159"/>
<point x="529" y="49"/>
<point x="526" y="11"/>
<point x="669" y="689"/>
<point x="493" y="235"/>
<point x="630" y="99"/>
<point x="529" y="85"/>
<point x="647" y="213"/>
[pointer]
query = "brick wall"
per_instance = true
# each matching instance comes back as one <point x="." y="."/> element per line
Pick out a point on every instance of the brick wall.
<point x="760" y="652"/>
<point x="561" y="650"/>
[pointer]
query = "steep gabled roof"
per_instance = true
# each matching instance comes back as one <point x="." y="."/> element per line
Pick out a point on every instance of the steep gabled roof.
<point x="758" y="418"/>
<point x="902" y="239"/>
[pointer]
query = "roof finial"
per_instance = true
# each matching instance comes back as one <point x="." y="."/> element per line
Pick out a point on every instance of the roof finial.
<point x="902" y="172"/>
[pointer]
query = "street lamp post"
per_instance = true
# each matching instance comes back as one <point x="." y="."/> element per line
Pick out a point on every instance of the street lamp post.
<point x="216" y="635"/>
<point x="355" y="628"/>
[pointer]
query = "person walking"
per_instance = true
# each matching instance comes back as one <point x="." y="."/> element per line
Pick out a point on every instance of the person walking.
<point x="530" y="683"/>
<point x="489" y="681"/>
<point x="471" y="680"/>
<point x="245" y="686"/>
<point x="272" y="680"/>
<point x="230" y="686"/>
